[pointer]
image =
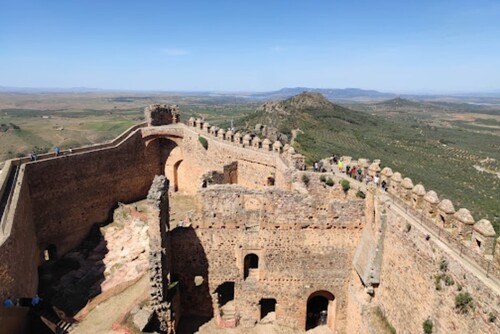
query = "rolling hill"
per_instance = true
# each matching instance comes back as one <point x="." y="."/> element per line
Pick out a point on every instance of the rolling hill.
<point x="444" y="159"/>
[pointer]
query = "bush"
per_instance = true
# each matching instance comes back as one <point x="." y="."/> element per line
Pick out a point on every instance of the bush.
<point x="448" y="280"/>
<point x="360" y="194"/>
<point x="492" y="317"/>
<point x="438" y="285"/>
<point x="329" y="182"/>
<point x="443" y="265"/>
<point x="322" y="178"/>
<point x="345" y="185"/>
<point x="408" y="227"/>
<point x="305" y="179"/>
<point x="204" y="142"/>
<point x="463" y="302"/>
<point x="427" y="325"/>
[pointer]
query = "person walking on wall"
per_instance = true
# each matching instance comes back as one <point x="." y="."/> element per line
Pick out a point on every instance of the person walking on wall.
<point x="8" y="303"/>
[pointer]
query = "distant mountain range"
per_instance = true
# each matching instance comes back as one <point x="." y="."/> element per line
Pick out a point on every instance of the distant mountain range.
<point x="332" y="94"/>
<point x="329" y="93"/>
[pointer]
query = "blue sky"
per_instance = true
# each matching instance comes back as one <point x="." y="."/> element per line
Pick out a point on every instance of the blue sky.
<point x="398" y="46"/>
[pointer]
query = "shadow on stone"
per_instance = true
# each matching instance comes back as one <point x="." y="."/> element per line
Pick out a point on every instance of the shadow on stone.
<point x="190" y="265"/>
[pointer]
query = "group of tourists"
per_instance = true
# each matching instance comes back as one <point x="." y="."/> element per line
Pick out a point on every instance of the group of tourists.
<point x="318" y="166"/>
<point x="356" y="172"/>
<point x="57" y="152"/>
<point x="26" y="302"/>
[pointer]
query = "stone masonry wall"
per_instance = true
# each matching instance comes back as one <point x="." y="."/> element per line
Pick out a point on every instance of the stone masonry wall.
<point x="253" y="167"/>
<point x="304" y="245"/>
<point x="409" y="293"/>
<point x="71" y="193"/>
<point x="292" y="265"/>
<point x="19" y="254"/>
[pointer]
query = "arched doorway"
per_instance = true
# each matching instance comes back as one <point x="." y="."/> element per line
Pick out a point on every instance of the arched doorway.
<point x="251" y="265"/>
<point x="176" y="175"/>
<point x="320" y="310"/>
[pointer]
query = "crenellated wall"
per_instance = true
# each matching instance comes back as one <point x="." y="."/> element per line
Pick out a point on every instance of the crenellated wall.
<point x="473" y="239"/>
<point x="416" y="285"/>
<point x="384" y="250"/>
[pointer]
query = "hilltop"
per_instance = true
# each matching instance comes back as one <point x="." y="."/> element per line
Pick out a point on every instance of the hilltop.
<point x="405" y="142"/>
<point x="305" y="111"/>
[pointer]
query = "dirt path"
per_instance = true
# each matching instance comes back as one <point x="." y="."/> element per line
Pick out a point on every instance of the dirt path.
<point x="101" y="318"/>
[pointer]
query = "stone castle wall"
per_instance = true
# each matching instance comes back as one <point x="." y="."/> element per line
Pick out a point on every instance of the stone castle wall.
<point x="410" y="292"/>
<point x="307" y="240"/>
<point x="71" y="193"/>
<point x="18" y="254"/>
<point x="301" y="245"/>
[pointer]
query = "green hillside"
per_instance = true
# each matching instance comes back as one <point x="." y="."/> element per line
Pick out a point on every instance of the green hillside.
<point x="444" y="159"/>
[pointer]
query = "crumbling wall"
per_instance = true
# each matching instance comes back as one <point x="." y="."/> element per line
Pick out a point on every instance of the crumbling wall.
<point x="160" y="254"/>
<point x="304" y="245"/>
<point x="161" y="114"/>
<point x="225" y="206"/>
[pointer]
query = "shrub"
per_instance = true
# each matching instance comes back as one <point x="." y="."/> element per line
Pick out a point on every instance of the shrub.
<point x="204" y="142"/>
<point x="427" y="325"/>
<point x="305" y="179"/>
<point x="408" y="227"/>
<point x="443" y="265"/>
<point x="322" y="178"/>
<point x="329" y="182"/>
<point x="437" y="282"/>
<point x="448" y="280"/>
<point x="492" y="317"/>
<point x="463" y="302"/>
<point x="345" y="185"/>
<point x="360" y="194"/>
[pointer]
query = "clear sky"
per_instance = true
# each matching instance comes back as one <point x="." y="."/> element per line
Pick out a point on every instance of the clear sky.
<point x="398" y="46"/>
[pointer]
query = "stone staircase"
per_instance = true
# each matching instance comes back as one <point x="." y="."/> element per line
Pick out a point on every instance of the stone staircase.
<point x="228" y="311"/>
<point x="55" y="324"/>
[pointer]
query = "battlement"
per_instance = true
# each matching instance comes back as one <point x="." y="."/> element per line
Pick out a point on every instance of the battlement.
<point x="161" y="114"/>
<point x="261" y="204"/>
<point x="248" y="141"/>
<point x="473" y="239"/>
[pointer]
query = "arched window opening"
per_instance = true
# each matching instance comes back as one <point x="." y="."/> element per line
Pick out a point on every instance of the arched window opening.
<point x="320" y="309"/>
<point x="251" y="265"/>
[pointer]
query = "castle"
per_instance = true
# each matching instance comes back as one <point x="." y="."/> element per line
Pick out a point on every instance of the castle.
<point x="273" y="240"/>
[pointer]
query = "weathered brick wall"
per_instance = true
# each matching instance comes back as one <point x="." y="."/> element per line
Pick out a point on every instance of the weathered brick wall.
<point x="71" y="193"/>
<point x="408" y="294"/>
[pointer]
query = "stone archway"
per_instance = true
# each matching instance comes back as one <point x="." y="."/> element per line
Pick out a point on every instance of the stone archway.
<point x="320" y="310"/>
<point x="175" y="178"/>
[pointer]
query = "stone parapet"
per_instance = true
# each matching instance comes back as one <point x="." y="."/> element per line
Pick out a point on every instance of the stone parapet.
<point x="458" y="228"/>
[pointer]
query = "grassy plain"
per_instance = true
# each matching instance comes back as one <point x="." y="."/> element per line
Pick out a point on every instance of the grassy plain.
<point x="455" y="153"/>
